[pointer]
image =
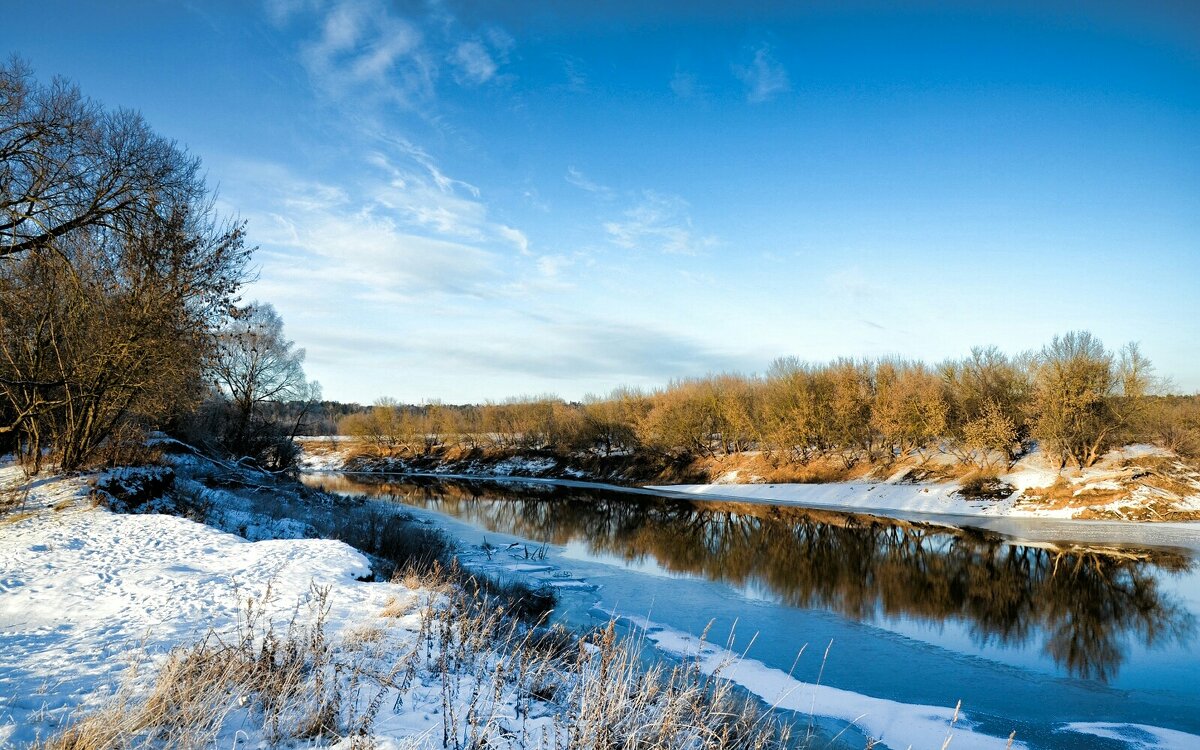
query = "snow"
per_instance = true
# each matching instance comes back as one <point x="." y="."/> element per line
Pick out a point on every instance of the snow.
<point x="896" y="495"/>
<point x="940" y="498"/>
<point x="1137" y="450"/>
<point x="522" y="465"/>
<point x="320" y="461"/>
<point x="86" y="594"/>
<point x="85" y="591"/>
<point x="1138" y="736"/>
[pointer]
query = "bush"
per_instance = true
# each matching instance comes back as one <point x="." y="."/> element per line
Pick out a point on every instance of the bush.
<point x="984" y="486"/>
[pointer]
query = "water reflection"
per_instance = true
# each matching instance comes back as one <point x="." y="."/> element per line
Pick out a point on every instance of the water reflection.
<point x="1084" y="605"/>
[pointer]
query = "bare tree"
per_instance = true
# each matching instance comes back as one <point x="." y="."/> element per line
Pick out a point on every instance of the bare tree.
<point x="255" y="363"/>
<point x="113" y="270"/>
<point x="67" y="163"/>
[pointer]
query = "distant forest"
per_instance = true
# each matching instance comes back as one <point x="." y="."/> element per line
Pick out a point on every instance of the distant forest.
<point x="1074" y="397"/>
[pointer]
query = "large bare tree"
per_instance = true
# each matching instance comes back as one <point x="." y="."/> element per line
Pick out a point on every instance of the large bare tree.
<point x="114" y="271"/>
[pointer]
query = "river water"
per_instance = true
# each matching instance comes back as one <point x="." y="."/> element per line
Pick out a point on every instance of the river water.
<point x="1069" y="644"/>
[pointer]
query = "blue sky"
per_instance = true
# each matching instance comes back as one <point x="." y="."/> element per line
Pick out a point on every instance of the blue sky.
<point x="467" y="201"/>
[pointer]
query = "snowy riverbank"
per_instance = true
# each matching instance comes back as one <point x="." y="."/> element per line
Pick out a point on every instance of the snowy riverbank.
<point x="86" y="593"/>
<point x="1115" y="489"/>
<point x="1134" y="484"/>
<point x="147" y="628"/>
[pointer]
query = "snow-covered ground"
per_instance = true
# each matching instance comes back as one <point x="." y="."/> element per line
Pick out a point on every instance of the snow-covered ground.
<point x="85" y="593"/>
<point x="896" y="724"/>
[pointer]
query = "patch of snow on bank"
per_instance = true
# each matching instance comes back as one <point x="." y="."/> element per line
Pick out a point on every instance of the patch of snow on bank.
<point x="729" y="477"/>
<point x="1028" y="477"/>
<point x="867" y="497"/>
<point x="523" y="466"/>
<point x="1138" y="736"/>
<point x="324" y="461"/>
<point x="1136" y="450"/>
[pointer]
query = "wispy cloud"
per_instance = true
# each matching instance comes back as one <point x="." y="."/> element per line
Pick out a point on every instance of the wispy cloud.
<point x="661" y="222"/>
<point x="418" y="192"/>
<point x="764" y="77"/>
<point x="574" y="71"/>
<point x="363" y="49"/>
<point x="623" y="352"/>
<point x="474" y="62"/>
<point x="581" y="181"/>
<point x="367" y="50"/>
<point x="411" y="230"/>
<point x="852" y="284"/>
<point x="348" y="251"/>
<point x="551" y="266"/>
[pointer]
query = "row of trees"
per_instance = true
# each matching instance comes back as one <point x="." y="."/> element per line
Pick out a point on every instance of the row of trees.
<point x="1074" y="396"/>
<point x="118" y="286"/>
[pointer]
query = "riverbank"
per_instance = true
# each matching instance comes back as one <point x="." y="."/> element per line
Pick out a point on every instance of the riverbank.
<point x="1138" y="483"/>
<point x="123" y="624"/>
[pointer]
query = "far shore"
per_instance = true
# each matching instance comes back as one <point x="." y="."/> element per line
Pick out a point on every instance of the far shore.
<point x="930" y="502"/>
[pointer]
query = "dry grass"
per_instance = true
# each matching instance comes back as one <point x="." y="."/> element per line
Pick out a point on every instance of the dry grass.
<point x="13" y="498"/>
<point x="1067" y="494"/>
<point x="290" y="682"/>
<point x="498" y="682"/>
<point x="1167" y="474"/>
<point x="363" y="636"/>
<point x="776" y="469"/>
<point x="398" y="607"/>
<point x="984" y="485"/>
<point x="508" y="685"/>
<point x="1148" y="488"/>
<point x="15" y="516"/>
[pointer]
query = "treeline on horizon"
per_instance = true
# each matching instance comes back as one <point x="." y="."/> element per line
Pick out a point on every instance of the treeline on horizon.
<point x="1074" y="397"/>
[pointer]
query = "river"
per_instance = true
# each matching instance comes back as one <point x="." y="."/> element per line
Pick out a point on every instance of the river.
<point x="1069" y="644"/>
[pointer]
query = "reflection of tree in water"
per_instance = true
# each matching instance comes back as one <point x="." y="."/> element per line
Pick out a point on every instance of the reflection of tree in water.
<point x="1086" y="603"/>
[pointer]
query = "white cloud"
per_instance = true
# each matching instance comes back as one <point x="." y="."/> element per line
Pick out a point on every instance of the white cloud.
<point x="661" y="222"/>
<point x="318" y="242"/>
<point x="281" y="11"/>
<point x="551" y="266"/>
<point x="474" y="63"/>
<point x="581" y="181"/>
<point x="764" y="77"/>
<point x="852" y="284"/>
<point x="576" y="77"/>
<point x="418" y="192"/>
<point x="616" y="351"/>
<point x="365" y="50"/>
<point x="501" y="41"/>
